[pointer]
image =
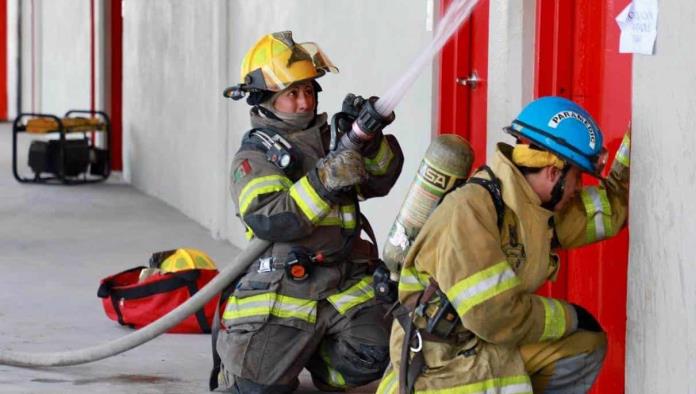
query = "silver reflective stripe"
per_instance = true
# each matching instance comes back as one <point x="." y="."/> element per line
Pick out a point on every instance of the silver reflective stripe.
<point x="380" y="163"/>
<point x="271" y="304"/>
<point x="261" y="185"/>
<point x="623" y="154"/>
<point x="308" y="200"/>
<point x="514" y="389"/>
<point x="554" y="319"/>
<point x="482" y="286"/>
<point x="347" y="214"/>
<point x="357" y="294"/>
<point x="412" y="280"/>
<point x="596" y="198"/>
<point x="388" y="383"/>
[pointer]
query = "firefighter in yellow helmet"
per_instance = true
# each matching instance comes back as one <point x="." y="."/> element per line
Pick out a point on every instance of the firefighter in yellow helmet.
<point x="308" y="301"/>
<point x="469" y="321"/>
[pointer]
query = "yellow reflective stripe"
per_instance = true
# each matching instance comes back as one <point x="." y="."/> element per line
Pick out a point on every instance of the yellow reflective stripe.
<point x="336" y="379"/>
<point x="482" y="286"/>
<point x="554" y="319"/>
<point x="355" y="295"/>
<point x="412" y="280"/>
<point x="348" y="216"/>
<point x="507" y="385"/>
<point x="249" y="234"/>
<point x="313" y="206"/>
<point x="259" y="186"/>
<point x="380" y="163"/>
<point x="345" y="217"/>
<point x="388" y="384"/>
<point x="598" y="212"/>
<point x="271" y="304"/>
<point x="623" y="155"/>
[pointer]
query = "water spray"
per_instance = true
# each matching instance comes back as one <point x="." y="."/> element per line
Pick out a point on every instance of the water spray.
<point x="378" y="112"/>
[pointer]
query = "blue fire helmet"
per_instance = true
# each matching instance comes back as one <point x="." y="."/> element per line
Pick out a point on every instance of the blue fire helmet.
<point x="564" y="128"/>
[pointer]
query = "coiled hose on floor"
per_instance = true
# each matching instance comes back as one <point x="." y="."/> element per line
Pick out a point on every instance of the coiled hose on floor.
<point x="130" y="341"/>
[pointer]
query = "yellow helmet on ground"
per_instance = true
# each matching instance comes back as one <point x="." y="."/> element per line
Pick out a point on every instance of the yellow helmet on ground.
<point x="276" y="62"/>
<point x="186" y="259"/>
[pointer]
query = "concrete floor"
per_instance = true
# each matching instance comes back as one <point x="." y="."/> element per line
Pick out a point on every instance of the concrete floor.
<point x="56" y="243"/>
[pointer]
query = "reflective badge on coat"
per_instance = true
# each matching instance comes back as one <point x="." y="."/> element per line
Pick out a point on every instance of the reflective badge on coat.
<point x="241" y="171"/>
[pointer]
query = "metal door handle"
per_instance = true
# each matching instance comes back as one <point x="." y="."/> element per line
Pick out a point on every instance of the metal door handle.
<point x="472" y="81"/>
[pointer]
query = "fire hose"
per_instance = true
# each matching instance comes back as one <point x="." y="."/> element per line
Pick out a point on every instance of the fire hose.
<point x="380" y="109"/>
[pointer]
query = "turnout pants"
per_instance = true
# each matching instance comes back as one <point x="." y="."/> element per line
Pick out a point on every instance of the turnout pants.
<point x="340" y="351"/>
<point x="568" y="365"/>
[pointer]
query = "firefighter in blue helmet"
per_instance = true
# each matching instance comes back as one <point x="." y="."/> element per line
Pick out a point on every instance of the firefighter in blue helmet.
<point x="308" y="301"/>
<point x="469" y="319"/>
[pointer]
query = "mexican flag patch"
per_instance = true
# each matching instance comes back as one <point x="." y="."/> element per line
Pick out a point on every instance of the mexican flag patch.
<point x="241" y="171"/>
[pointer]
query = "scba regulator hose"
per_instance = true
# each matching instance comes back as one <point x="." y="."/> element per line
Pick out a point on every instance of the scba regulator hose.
<point x="130" y="341"/>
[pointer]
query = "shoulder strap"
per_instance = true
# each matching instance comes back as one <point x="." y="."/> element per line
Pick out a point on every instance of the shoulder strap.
<point x="494" y="188"/>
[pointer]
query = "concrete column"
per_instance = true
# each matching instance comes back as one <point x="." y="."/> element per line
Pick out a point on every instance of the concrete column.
<point x="660" y="341"/>
<point x="511" y="38"/>
<point x="174" y="120"/>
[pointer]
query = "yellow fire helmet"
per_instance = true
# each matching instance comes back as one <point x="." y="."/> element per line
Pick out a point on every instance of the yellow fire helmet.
<point x="186" y="259"/>
<point x="276" y="62"/>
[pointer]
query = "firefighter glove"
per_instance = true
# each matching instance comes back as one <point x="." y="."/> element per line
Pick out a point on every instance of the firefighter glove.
<point x="341" y="169"/>
<point x="585" y="320"/>
<point x="370" y="121"/>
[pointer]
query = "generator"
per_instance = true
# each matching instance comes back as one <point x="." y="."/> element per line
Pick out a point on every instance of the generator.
<point x="67" y="153"/>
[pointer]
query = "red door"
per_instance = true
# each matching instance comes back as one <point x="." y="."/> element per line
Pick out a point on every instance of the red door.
<point x="463" y="87"/>
<point x="116" y="83"/>
<point x="577" y="57"/>
<point x="3" y="60"/>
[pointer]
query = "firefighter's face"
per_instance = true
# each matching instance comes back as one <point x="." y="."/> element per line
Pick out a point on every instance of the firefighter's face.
<point x="573" y="184"/>
<point x="296" y="98"/>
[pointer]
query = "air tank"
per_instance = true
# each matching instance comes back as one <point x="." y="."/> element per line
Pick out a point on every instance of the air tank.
<point x="446" y="165"/>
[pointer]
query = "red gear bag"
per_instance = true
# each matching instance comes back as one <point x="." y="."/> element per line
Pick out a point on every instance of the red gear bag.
<point x="137" y="304"/>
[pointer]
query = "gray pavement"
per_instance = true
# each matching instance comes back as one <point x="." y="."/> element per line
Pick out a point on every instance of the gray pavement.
<point x="56" y="242"/>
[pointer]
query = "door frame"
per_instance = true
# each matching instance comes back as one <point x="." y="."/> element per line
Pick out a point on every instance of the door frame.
<point x="3" y="60"/>
<point x="114" y="79"/>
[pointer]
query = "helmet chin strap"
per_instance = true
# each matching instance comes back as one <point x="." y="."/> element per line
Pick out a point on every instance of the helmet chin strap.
<point x="558" y="189"/>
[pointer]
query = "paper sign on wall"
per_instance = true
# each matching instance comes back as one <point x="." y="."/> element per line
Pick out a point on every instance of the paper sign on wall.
<point x="638" y="24"/>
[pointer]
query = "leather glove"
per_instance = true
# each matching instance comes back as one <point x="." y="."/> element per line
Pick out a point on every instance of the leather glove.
<point x="585" y="320"/>
<point x="341" y="169"/>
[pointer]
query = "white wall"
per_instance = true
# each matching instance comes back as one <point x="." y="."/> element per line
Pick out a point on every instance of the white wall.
<point x="55" y="50"/>
<point x="64" y="55"/>
<point x="661" y="338"/>
<point x="55" y="56"/>
<point x="180" y="134"/>
<point x="174" y="59"/>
